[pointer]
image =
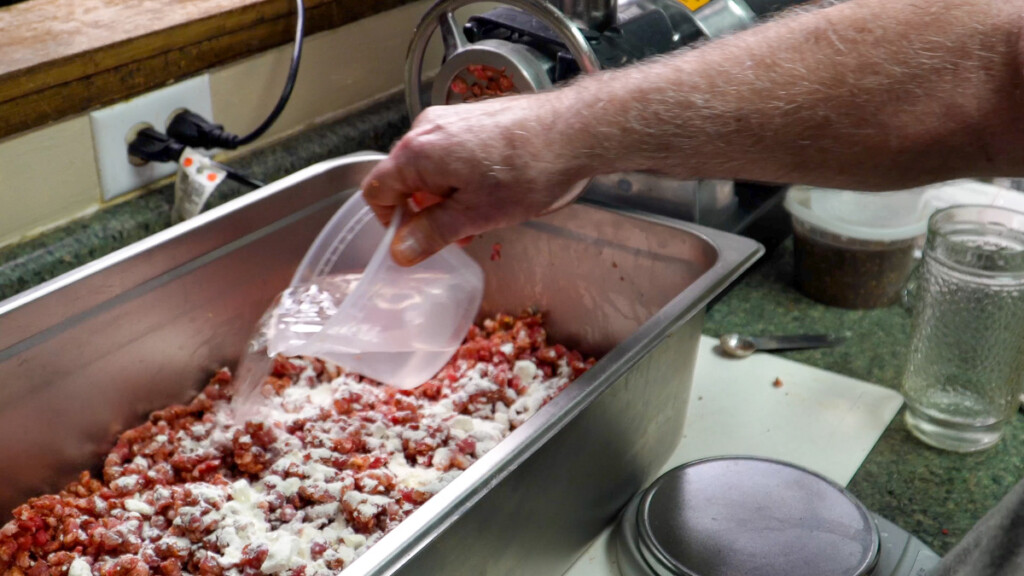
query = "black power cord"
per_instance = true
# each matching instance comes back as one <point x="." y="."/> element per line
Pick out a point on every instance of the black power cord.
<point x="187" y="128"/>
<point x="236" y="176"/>
<point x="194" y="130"/>
<point x="151" y="145"/>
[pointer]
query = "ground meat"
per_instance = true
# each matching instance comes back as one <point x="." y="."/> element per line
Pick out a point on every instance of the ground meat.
<point x="333" y="463"/>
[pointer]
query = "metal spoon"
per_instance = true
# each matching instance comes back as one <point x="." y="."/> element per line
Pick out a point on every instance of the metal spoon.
<point x="743" y="346"/>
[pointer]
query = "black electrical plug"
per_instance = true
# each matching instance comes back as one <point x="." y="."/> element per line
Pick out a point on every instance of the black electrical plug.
<point x="193" y="130"/>
<point x="151" y="145"/>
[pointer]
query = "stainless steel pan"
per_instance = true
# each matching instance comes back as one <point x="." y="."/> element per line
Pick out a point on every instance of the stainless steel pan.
<point x="91" y="352"/>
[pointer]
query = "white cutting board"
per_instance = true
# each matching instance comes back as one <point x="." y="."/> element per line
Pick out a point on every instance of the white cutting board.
<point x="820" y="420"/>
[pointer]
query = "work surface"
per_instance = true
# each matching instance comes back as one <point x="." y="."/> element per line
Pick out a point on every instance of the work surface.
<point x="769" y="407"/>
<point x="934" y="494"/>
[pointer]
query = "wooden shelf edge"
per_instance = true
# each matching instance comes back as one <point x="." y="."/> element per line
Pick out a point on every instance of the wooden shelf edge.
<point x="79" y="83"/>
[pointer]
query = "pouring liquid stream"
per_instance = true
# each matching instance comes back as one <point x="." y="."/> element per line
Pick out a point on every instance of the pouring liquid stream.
<point x="301" y="310"/>
<point x="394" y="331"/>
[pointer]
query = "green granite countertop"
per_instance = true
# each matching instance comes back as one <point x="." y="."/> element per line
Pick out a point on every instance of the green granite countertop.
<point x="934" y="494"/>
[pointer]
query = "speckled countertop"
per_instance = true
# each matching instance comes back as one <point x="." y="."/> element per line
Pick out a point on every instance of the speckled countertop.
<point x="936" y="495"/>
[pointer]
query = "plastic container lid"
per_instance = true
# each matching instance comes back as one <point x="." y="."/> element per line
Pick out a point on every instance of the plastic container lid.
<point x="873" y="216"/>
<point x="964" y="192"/>
<point x="351" y="304"/>
<point x="890" y="216"/>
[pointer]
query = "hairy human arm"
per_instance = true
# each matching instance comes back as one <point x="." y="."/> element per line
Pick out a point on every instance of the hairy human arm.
<point x="868" y="94"/>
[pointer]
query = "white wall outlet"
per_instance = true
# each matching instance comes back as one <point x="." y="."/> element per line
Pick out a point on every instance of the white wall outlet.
<point x="111" y="126"/>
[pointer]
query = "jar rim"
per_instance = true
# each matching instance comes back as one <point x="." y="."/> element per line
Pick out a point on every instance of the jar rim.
<point x="939" y="215"/>
<point x="944" y="223"/>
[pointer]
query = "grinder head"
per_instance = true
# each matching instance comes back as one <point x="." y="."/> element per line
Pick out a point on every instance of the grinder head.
<point x="522" y="57"/>
<point x="490" y="68"/>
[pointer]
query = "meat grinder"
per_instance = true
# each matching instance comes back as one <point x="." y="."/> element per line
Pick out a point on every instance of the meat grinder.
<point x="523" y="46"/>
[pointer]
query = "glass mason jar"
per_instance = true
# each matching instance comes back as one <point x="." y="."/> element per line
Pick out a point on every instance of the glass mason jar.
<point x="966" y="366"/>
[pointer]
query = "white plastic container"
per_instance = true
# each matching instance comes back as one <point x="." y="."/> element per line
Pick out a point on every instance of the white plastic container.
<point x="351" y="304"/>
<point x="855" y="249"/>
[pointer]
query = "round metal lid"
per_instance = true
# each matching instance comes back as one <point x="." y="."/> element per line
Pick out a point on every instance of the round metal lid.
<point x="728" y="516"/>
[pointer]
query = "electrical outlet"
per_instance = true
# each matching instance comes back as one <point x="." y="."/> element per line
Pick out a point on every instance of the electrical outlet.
<point x="111" y="128"/>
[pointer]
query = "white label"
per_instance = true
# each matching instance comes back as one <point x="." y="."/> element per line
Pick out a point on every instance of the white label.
<point x="198" y="177"/>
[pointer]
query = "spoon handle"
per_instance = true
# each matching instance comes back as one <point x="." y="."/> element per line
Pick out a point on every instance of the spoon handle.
<point x="796" y="342"/>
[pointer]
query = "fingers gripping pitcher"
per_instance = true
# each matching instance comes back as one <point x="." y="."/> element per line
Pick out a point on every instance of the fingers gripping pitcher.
<point x="964" y="374"/>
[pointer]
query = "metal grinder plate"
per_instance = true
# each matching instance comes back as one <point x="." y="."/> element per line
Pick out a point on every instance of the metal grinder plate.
<point x="728" y="516"/>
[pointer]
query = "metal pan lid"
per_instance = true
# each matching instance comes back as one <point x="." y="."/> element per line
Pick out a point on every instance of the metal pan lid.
<point x="727" y="516"/>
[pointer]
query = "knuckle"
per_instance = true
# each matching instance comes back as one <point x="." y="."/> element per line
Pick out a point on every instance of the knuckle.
<point x="412" y="147"/>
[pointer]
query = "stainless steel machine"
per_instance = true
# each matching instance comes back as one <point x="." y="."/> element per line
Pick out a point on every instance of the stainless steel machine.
<point x="524" y="46"/>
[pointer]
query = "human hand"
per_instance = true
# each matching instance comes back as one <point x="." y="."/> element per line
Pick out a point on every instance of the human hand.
<point x="495" y="163"/>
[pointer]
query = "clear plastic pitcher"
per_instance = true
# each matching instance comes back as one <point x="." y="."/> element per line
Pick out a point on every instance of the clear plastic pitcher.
<point x="351" y="304"/>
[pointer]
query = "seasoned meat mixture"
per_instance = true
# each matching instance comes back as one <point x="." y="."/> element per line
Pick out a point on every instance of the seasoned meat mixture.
<point x="336" y="462"/>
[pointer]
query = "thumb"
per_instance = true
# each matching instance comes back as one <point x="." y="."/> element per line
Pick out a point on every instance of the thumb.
<point x="428" y="232"/>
